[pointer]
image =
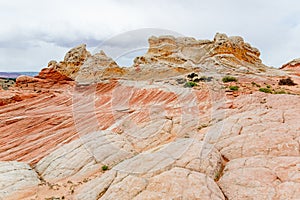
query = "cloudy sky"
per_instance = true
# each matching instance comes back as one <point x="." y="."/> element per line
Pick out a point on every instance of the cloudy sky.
<point x="34" y="32"/>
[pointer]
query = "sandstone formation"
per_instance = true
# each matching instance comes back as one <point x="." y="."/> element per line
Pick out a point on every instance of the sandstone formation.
<point x="50" y="74"/>
<point x="72" y="61"/>
<point x="167" y="57"/>
<point x="293" y="67"/>
<point x="231" y="51"/>
<point x="191" y="119"/>
<point x="97" y="67"/>
<point x="292" y="64"/>
<point x="48" y="81"/>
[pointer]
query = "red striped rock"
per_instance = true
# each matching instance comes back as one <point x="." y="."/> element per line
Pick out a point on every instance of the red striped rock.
<point x="292" y="65"/>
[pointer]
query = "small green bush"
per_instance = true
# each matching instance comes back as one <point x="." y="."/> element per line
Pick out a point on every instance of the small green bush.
<point x="190" y="84"/>
<point x="265" y="90"/>
<point x="104" y="167"/>
<point x="234" y="88"/>
<point x="268" y="86"/>
<point x="280" y="92"/>
<point x="227" y="79"/>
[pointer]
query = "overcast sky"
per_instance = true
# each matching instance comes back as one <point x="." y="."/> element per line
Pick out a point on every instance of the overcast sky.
<point x="34" y="32"/>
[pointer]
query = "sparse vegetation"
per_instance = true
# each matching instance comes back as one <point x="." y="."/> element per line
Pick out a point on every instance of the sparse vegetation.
<point x="265" y="90"/>
<point x="190" y="84"/>
<point x="255" y="84"/>
<point x="205" y="79"/>
<point x="227" y="79"/>
<point x="288" y="81"/>
<point x="192" y="75"/>
<point x="280" y="92"/>
<point x="234" y="88"/>
<point x="217" y="176"/>
<point x="53" y="198"/>
<point x="104" y="167"/>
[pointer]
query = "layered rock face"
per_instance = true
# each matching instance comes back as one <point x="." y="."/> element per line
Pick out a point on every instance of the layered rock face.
<point x="99" y="67"/>
<point x="95" y="130"/>
<point x="180" y="50"/>
<point x="292" y="66"/>
<point x="167" y="56"/>
<point x="48" y="81"/>
<point x="222" y="51"/>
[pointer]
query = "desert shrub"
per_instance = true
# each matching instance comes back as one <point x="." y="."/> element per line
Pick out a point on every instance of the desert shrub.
<point x="190" y="84"/>
<point x="287" y="81"/>
<point x="227" y="79"/>
<point x="234" y="87"/>
<point x="265" y="90"/>
<point x="104" y="167"/>
<point x="280" y="92"/>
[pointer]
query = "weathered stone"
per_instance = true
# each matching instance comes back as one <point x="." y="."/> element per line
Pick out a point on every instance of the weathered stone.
<point x="262" y="178"/>
<point x="176" y="183"/>
<point x="15" y="179"/>
<point x="72" y="62"/>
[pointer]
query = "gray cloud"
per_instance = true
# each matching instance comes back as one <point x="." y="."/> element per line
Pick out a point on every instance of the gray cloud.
<point x="34" y="32"/>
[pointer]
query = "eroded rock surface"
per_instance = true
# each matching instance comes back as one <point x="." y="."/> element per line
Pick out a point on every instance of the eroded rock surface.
<point x="262" y="177"/>
<point x="154" y="130"/>
<point x="16" y="177"/>
<point x="72" y="62"/>
<point x="174" y="183"/>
